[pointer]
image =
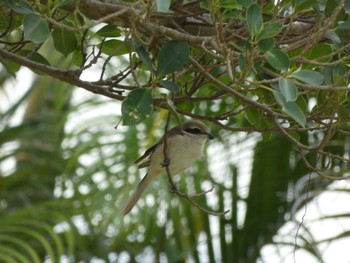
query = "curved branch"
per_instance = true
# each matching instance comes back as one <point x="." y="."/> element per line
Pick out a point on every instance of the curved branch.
<point x="68" y="76"/>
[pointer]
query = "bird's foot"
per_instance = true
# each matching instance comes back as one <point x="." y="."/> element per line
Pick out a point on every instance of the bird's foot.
<point x="165" y="163"/>
<point x="173" y="189"/>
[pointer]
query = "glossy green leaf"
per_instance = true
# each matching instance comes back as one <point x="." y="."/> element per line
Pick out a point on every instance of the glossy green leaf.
<point x="64" y="41"/>
<point x="278" y="59"/>
<point x="163" y="6"/>
<point x="114" y="47"/>
<point x="35" y="28"/>
<point x="137" y="106"/>
<point x="271" y="30"/>
<point x="143" y="55"/>
<point x="172" y="56"/>
<point x="266" y="44"/>
<point x="288" y="89"/>
<point x="109" y="31"/>
<point x="20" y="6"/>
<point x="254" y="20"/>
<point x="169" y="85"/>
<point x="308" y="76"/>
<point x="291" y="108"/>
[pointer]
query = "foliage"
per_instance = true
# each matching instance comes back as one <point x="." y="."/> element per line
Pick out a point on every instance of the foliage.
<point x="281" y="70"/>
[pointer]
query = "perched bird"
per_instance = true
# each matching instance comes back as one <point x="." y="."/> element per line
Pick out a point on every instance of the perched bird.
<point x="184" y="147"/>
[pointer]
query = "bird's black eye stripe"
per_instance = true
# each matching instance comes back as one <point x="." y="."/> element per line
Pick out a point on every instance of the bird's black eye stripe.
<point x="193" y="130"/>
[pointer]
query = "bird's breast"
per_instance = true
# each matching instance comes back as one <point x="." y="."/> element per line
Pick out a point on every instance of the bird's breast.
<point x="182" y="152"/>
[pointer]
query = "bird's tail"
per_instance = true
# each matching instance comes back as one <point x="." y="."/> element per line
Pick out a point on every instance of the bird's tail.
<point x="137" y="194"/>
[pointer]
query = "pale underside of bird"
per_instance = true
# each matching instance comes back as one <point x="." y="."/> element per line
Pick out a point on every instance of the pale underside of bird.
<point x="184" y="147"/>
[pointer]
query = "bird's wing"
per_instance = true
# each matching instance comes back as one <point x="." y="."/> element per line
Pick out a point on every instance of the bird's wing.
<point x="147" y="153"/>
<point x="173" y="131"/>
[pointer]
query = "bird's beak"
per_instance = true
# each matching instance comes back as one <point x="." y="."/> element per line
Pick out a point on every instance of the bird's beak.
<point x="210" y="137"/>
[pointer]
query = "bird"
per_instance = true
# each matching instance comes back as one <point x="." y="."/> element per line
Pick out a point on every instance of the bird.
<point x="184" y="147"/>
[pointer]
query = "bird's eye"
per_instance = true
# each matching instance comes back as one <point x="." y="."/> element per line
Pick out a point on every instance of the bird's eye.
<point x="193" y="130"/>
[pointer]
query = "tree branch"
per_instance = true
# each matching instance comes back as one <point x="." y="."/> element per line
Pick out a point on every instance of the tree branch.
<point x="67" y="76"/>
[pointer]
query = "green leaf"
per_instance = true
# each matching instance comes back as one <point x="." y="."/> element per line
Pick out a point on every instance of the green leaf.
<point x="172" y="56"/>
<point x="186" y="106"/>
<point x="271" y="30"/>
<point x="64" y="41"/>
<point x="242" y="62"/>
<point x="244" y="3"/>
<point x="252" y="115"/>
<point x="288" y="89"/>
<point x="35" y="28"/>
<point x="143" y="55"/>
<point x="330" y="6"/>
<point x="10" y="66"/>
<point x="35" y="57"/>
<point x="347" y="6"/>
<point x="163" y="6"/>
<point x="308" y="76"/>
<point x="254" y="20"/>
<point x="61" y="3"/>
<point x="169" y="85"/>
<point x="266" y="44"/>
<point x="332" y="36"/>
<point x="108" y="31"/>
<point x="173" y="110"/>
<point x="137" y="106"/>
<point x="305" y="5"/>
<point x="114" y="47"/>
<point x="320" y="50"/>
<point x="278" y="59"/>
<point x="20" y="6"/>
<point x="291" y="108"/>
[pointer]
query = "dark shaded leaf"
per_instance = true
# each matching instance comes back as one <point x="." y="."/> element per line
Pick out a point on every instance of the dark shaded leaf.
<point x="172" y="56"/>
<point x="114" y="47"/>
<point x="64" y="41"/>
<point x="254" y="20"/>
<point x="109" y="31"/>
<point x="137" y="106"/>
<point x="271" y="30"/>
<point x="143" y="55"/>
<point x="266" y="44"/>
